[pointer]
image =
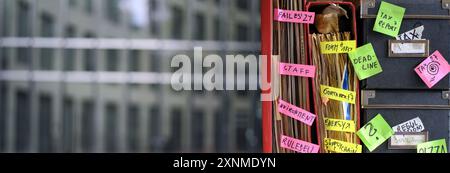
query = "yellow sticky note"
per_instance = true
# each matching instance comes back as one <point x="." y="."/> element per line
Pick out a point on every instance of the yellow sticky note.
<point x="341" y="146"/>
<point x="333" y="47"/>
<point x="338" y="94"/>
<point x="340" y="125"/>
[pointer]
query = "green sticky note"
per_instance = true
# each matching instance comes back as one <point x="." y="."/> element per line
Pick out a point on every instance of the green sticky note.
<point x="365" y="62"/>
<point x="389" y="19"/>
<point x="375" y="133"/>
<point x="438" y="146"/>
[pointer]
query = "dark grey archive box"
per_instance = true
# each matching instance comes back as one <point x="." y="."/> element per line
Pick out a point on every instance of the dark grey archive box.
<point x="398" y="69"/>
<point x="398" y="106"/>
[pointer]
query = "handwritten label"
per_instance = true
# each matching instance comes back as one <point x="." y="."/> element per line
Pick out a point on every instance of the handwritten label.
<point x="298" y="145"/>
<point x="296" y="112"/>
<point x="433" y="69"/>
<point x="297" y="70"/>
<point x="333" y="47"/>
<point x="414" y="125"/>
<point x="375" y="133"/>
<point x="338" y="94"/>
<point x="341" y="146"/>
<point x="389" y="19"/>
<point x="407" y="140"/>
<point x="414" y="34"/>
<point x="340" y="125"/>
<point x="294" y="16"/>
<point x="438" y="146"/>
<point x="365" y="62"/>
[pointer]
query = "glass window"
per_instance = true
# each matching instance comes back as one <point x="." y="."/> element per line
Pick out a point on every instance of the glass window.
<point x="199" y="30"/>
<point x="177" y="23"/>
<point x="23" y="19"/>
<point x="133" y="128"/>
<point x="73" y="3"/>
<point x="242" y="32"/>
<point x="197" y="130"/>
<point x="221" y="131"/>
<point x="243" y="4"/>
<point x="134" y="60"/>
<point x="111" y="128"/>
<point x="23" y="55"/>
<point x="174" y="143"/>
<point x="68" y="125"/>
<point x="45" y="123"/>
<point x="112" y="10"/>
<point x="217" y="26"/>
<point x="241" y="132"/>
<point x="3" y="111"/>
<point x="23" y="121"/>
<point x="88" y="6"/>
<point x="112" y="60"/>
<point x="87" y="126"/>
<point x="4" y="58"/>
<point x="155" y="127"/>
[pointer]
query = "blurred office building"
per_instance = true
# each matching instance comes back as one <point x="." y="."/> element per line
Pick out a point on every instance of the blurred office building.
<point x="94" y="76"/>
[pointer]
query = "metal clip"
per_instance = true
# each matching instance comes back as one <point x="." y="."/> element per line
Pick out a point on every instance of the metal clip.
<point x="371" y="3"/>
<point x="446" y="4"/>
<point x="366" y="95"/>
<point x="446" y="95"/>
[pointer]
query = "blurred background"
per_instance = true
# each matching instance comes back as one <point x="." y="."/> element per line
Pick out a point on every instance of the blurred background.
<point x="93" y="76"/>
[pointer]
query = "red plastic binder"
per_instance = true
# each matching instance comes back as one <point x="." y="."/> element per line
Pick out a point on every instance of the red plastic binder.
<point x="267" y="23"/>
<point x="266" y="49"/>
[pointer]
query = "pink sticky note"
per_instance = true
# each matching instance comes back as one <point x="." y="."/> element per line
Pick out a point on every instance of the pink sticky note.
<point x="297" y="70"/>
<point x="298" y="145"/>
<point x="433" y="69"/>
<point x="294" y="16"/>
<point x="296" y="112"/>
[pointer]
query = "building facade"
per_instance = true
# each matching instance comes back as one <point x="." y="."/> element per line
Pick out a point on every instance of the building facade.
<point x="42" y="110"/>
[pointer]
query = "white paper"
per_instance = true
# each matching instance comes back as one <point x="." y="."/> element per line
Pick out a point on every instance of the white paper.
<point x="414" y="125"/>
<point x="414" y="34"/>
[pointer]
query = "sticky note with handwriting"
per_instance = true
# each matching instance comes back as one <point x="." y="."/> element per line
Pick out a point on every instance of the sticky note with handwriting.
<point x="437" y="146"/>
<point x="294" y="16"/>
<point x="298" y="145"/>
<point x="341" y="146"/>
<point x="375" y="133"/>
<point x="338" y="94"/>
<point x="340" y="125"/>
<point x="296" y="112"/>
<point x="433" y="69"/>
<point x="365" y="62"/>
<point x="297" y="70"/>
<point x="389" y="19"/>
<point x="333" y="47"/>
